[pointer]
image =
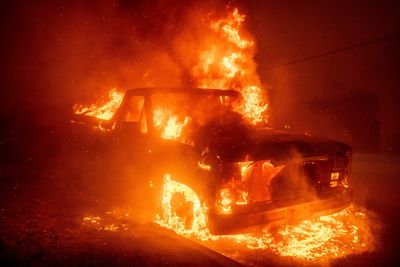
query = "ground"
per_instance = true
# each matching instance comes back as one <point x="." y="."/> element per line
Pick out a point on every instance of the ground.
<point x="42" y="223"/>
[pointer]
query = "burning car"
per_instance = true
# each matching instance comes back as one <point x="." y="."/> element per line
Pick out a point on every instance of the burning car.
<point x="180" y="140"/>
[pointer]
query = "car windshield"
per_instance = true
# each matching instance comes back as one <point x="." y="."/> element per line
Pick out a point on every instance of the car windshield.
<point x="178" y="115"/>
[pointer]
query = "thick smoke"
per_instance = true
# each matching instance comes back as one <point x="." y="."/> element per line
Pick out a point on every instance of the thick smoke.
<point x="60" y="53"/>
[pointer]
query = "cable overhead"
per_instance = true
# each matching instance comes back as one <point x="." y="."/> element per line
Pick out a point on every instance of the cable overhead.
<point x="340" y="50"/>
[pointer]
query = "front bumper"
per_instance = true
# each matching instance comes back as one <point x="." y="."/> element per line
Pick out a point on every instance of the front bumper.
<point x="246" y="218"/>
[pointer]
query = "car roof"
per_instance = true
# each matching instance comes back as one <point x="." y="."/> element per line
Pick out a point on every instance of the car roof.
<point x="182" y="90"/>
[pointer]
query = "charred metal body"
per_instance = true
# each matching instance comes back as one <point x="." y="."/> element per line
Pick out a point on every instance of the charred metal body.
<point x="245" y="176"/>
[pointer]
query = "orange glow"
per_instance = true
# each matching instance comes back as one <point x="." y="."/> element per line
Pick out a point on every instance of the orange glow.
<point x="230" y="27"/>
<point x="170" y="220"/>
<point x="244" y="167"/>
<point x="231" y="194"/>
<point x="168" y="124"/>
<point x="229" y="63"/>
<point x="253" y="108"/>
<point x="348" y="232"/>
<point x="248" y="183"/>
<point x="104" y="108"/>
<point x="327" y="237"/>
<point x="173" y="129"/>
<point x="112" y="221"/>
<point x="226" y="200"/>
<point x="324" y="238"/>
<point x="226" y="63"/>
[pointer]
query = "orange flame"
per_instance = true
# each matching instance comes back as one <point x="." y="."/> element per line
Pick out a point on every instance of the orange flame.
<point x="170" y="220"/>
<point x="104" y="108"/>
<point x="230" y="27"/>
<point x="168" y="124"/>
<point x="348" y="232"/>
<point x="327" y="237"/>
<point x="229" y="64"/>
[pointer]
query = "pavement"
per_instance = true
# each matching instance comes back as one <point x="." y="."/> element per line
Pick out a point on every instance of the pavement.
<point x="41" y="224"/>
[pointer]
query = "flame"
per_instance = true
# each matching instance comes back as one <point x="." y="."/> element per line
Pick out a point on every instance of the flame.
<point x="325" y="238"/>
<point x="104" y="108"/>
<point x="170" y="126"/>
<point x="170" y="220"/>
<point x="230" y="27"/>
<point x="231" y="194"/>
<point x="229" y="64"/>
<point x="349" y="231"/>
<point x="226" y="63"/>
<point x="226" y="200"/>
<point x="245" y="166"/>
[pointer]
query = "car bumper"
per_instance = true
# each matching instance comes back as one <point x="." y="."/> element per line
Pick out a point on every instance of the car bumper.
<point x="248" y="217"/>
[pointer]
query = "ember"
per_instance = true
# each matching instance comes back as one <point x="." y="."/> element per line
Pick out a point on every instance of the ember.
<point x="349" y="231"/>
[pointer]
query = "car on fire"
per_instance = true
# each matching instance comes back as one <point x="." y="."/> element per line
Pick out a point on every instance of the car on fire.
<point x="245" y="176"/>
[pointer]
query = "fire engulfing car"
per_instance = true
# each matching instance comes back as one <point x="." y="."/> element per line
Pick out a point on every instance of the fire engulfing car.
<point x="244" y="176"/>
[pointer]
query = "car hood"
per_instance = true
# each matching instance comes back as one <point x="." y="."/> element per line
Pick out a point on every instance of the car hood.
<point x="270" y="144"/>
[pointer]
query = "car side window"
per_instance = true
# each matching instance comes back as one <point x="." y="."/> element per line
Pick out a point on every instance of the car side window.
<point x="134" y="109"/>
<point x="135" y="113"/>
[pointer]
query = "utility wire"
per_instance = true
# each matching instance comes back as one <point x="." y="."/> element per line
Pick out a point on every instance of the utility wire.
<point x="386" y="38"/>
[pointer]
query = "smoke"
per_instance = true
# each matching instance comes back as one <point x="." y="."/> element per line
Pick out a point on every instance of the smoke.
<point x="60" y="53"/>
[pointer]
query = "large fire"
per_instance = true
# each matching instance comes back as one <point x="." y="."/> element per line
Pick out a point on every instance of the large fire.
<point x="169" y="124"/>
<point x="348" y="232"/>
<point x="229" y="64"/>
<point x="104" y="108"/>
<point x="327" y="237"/>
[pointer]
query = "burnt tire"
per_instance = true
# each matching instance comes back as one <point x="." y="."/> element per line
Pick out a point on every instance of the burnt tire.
<point x="183" y="209"/>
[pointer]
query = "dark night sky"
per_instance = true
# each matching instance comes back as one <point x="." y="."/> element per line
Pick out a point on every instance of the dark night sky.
<point x="57" y="52"/>
<point x="292" y="30"/>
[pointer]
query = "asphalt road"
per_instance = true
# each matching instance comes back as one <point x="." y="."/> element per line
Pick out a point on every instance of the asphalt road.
<point x="41" y="224"/>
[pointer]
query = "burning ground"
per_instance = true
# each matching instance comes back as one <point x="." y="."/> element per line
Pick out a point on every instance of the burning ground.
<point x="46" y="221"/>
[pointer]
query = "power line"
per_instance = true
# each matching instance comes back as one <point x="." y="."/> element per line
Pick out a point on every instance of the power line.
<point x="386" y="38"/>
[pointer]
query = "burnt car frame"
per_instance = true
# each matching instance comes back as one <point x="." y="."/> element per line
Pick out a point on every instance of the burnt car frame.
<point x="245" y="176"/>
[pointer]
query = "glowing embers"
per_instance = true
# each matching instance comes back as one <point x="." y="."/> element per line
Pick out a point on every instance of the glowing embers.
<point x="247" y="182"/>
<point x="182" y="210"/>
<point x="253" y="107"/>
<point x="231" y="194"/>
<point x="334" y="179"/>
<point x="104" y="108"/>
<point x="350" y="231"/>
<point x="112" y="221"/>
